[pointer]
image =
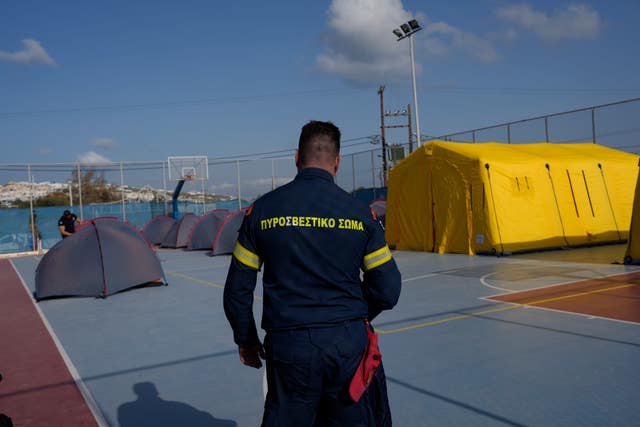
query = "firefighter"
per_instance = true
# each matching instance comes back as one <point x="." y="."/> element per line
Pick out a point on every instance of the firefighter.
<point x="312" y="240"/>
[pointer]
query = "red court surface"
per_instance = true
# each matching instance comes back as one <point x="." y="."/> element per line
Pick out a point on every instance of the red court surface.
<point x="614" y="297"/>
<point x="37" y="388"/>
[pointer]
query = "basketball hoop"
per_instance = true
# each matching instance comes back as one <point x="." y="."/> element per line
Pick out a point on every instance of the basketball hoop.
<point x="188" y="168"/>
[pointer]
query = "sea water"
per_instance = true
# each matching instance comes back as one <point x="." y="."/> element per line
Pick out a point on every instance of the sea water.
<point x="15" y="224"/>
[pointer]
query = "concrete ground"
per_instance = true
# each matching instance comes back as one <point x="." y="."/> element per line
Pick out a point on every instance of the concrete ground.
<point x="165" y="356"/>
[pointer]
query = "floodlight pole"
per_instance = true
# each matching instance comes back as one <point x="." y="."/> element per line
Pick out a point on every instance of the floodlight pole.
<point x="415" y="93"/>
<point x="407" y="30"/>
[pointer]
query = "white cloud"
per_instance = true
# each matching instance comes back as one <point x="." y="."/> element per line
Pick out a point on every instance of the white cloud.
<point x="361" y="47"/>
<point x="91" y="157"/>
<point x="444" y="38"/>
<point x="104" y="143"/>
<point x="578" y="21"/>
<point x="45" y="151"/>
<point x="33" y="52"/>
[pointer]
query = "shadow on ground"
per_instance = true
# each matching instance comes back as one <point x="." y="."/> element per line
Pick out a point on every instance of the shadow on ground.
<point x="149" y="409"/>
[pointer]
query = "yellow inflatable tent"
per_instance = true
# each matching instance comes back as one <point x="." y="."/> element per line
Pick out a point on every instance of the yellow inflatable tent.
<point x="450" y="197"/>
<point x="632" y="256"/>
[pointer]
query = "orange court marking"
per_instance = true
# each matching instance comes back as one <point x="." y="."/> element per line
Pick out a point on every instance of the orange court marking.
<point x="614" y="297"/>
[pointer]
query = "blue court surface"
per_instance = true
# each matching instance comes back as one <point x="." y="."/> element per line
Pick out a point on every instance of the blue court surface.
<point x="165" y="355"/>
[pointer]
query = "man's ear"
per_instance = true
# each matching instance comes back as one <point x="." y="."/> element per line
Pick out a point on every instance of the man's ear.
<point x="337" y="164"/>
<point x="297" y="159"/>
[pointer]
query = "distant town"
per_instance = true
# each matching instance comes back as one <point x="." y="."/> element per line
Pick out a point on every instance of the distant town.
<point x="15" y="194"/>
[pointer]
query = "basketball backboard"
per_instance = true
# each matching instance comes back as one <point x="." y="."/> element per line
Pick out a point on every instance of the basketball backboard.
<point x="191" y="168"/>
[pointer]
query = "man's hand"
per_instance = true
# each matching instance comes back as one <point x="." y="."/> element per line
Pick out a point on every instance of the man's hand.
<point x="251" y="356"/>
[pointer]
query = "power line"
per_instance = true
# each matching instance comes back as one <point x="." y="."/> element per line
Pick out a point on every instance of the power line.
<point x="131" y="107"/>
<point x="432" y="88"/>
<point x="528" y="90"/>
<point x="154" y="164"/>
<point x="292" y="150"/>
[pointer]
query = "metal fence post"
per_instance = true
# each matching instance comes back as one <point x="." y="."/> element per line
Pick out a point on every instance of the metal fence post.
<point x="204" y="198"/>
<point x="353" y="172"/>
<point x="546" y="128"/>
<point x="164" y="186"/>
<point x="238" y="172"/>
<point x="509" y="133"/>
<point x="33" y="223"/>
<point x="593" y="124"/>
<point x="373" y="171"/>
<point x="80" y="191"/>
<point x="124" y="211"/>
<point x="273" y="175"/>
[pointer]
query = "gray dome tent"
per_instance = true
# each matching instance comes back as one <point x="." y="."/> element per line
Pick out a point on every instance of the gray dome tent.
<point x="157" y="228"/>
<point x="104" y="257"/>
<point x="178" y="236"/>
<point x="205" y="229"/>
<point x="379" y="206"/>
<point x="227" y="234"/>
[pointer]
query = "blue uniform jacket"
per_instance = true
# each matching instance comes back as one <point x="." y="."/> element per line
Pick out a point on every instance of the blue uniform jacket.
<point x="313" y="240"/>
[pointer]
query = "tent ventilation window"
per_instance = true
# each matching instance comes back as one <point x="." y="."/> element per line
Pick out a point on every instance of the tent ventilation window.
<point x="586" y="187"/>
<point x="573" y="195"/>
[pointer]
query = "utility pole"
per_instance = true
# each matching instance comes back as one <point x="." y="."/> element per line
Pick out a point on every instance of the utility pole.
<point x="383" y="126"/>
<point x="384" y="142"/>
<point x="401" y="113"/>
<point x="409" y="126"/>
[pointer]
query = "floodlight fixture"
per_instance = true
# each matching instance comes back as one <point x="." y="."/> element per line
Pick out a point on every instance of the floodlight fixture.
<point x="408" y="28"/>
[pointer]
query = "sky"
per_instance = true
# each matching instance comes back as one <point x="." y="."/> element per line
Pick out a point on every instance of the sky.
<point x="147" y="79"/>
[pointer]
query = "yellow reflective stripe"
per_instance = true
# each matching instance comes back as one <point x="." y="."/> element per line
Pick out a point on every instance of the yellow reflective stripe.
<point x="377" y="258"/>
<point x="245" y="256"/>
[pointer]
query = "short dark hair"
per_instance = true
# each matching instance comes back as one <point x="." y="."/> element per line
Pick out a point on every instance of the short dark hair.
<point x="318" y="141"/>
<point x="67" y="213"/>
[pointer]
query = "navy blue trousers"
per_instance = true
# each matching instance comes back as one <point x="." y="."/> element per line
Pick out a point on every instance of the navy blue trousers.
<point x="308" y="374"/>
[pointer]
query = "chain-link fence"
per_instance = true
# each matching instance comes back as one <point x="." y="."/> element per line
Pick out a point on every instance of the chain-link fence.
<point x="33" y="196"/>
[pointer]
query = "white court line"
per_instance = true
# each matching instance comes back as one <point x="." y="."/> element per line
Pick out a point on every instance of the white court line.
<point x="568" y="282"/>
<point x="86" y="394"/>
<point x="555" y="310"/>
<point x="484" y="282"/>
<point x="410" y="279"/>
